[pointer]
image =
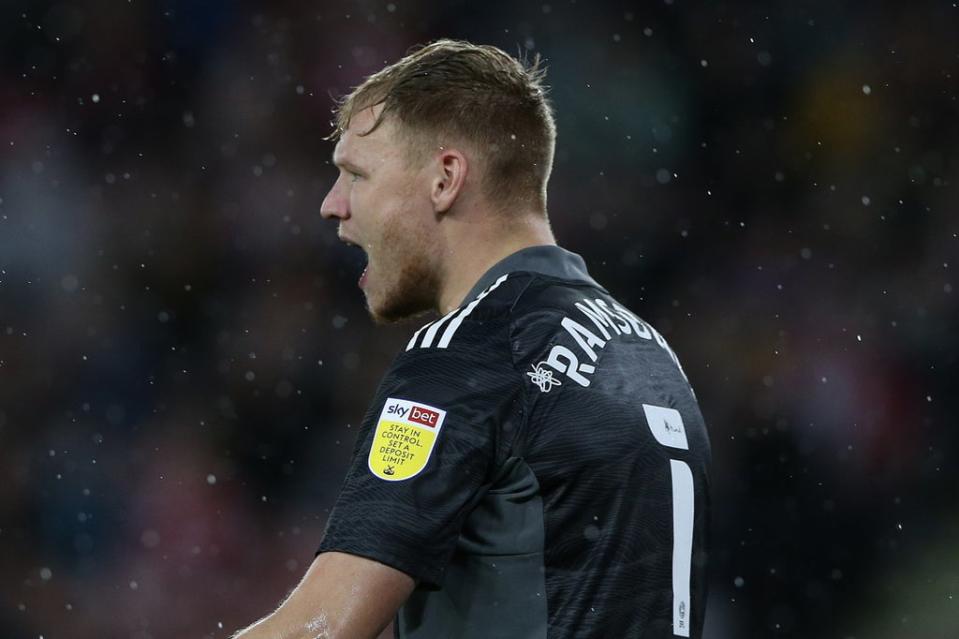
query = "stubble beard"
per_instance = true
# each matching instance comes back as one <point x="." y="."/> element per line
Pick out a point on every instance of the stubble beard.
<point x="406" y="283"/>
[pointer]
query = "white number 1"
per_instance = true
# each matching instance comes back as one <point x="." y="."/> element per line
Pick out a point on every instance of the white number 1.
<point x="667" y="427"/>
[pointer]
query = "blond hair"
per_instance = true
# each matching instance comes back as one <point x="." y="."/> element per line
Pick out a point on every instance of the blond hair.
<point x="452" y="91"/>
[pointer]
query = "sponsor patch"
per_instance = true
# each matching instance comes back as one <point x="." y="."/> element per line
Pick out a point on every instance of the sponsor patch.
<point x="667" y="426"/>
<point x="404" y="438"/>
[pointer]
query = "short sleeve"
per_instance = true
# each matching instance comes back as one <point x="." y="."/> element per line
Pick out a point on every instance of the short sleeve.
<point x="438" y="428"/>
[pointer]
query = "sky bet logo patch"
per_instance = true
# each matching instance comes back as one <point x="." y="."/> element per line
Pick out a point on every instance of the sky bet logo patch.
<point x="405" y="435"/>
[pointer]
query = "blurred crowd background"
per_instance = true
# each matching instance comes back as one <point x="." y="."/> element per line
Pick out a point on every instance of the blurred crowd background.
<point x="185" y="355"/>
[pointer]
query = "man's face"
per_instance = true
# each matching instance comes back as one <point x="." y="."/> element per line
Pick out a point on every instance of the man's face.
<point x="382" y="203"/>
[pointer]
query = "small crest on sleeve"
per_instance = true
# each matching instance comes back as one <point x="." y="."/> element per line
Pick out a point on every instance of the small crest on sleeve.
<point x="405" y="435"/>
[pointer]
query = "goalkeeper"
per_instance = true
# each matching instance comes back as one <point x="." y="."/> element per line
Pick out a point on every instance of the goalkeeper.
<point x="534" y="463"/>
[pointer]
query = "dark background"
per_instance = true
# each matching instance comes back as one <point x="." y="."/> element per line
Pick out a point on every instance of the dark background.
<point x="184" y="354"/>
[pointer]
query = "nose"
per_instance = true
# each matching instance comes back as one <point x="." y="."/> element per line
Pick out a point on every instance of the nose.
<point x="336" y="204"/>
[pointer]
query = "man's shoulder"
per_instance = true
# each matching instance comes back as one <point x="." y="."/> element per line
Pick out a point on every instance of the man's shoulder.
<point x="475" y="327"/>
<point x="481" y="326"/>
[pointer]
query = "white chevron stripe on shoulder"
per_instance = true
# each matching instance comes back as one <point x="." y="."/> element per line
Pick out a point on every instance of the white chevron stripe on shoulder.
<point x="416" y="335"/>
<point x="435" y="327"/>
<point x="455" y="324"/>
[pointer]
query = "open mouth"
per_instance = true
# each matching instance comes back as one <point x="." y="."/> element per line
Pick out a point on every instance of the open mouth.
<point x="361" y="258"/>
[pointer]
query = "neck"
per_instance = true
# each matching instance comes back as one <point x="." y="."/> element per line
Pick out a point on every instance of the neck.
<point x="484" y="248"/>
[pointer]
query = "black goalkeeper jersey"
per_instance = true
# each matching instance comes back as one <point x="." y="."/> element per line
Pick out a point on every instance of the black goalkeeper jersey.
<point x="537" y="461"/>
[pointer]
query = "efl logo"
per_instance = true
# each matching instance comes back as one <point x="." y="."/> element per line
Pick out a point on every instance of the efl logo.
<point x="424" y="416"/>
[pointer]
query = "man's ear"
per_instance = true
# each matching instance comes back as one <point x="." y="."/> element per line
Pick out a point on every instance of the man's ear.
<point x="449" y="180"/>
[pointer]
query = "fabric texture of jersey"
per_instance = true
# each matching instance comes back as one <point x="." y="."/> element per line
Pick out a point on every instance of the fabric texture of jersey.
<point x="537" y="461"/>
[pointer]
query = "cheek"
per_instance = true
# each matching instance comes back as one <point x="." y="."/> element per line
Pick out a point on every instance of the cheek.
<point x="396" y="212"/>
<point x="407" y="186"/>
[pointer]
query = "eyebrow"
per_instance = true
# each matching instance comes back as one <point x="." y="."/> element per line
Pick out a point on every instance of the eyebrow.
<point x="344" y="163"/>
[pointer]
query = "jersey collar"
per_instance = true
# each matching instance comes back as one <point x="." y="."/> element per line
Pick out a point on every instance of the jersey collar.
<point x="551" y="260"/>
